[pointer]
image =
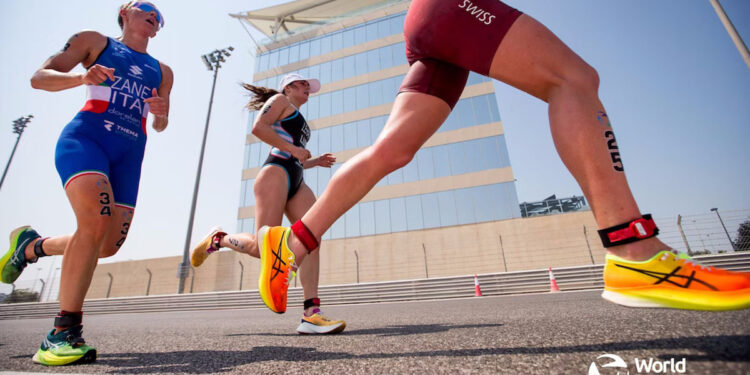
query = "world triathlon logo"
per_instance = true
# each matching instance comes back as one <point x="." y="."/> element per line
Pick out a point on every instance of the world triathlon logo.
<point x="611" y="364"/>
<point x="615" y="362"/>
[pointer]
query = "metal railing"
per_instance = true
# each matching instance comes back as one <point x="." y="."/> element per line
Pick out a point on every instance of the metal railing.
<point x="697" y="234"/>
<point x="494" y="284"/>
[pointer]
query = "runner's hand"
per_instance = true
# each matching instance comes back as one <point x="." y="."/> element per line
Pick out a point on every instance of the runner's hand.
<point x="98" y="74"/>
<point x="326" y="160"/>
<point x="300" y="153"/>
<point x="156" y="104"/>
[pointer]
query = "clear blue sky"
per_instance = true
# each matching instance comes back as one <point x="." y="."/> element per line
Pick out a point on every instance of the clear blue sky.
<point x="673" y="83"/>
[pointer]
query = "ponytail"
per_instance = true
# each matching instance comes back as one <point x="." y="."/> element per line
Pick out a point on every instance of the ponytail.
<point x="260" y="95"/>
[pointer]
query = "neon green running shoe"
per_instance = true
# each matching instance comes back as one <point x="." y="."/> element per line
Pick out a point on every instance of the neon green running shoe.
<point x="64" y="348"/>
<point x="14" y="260"/>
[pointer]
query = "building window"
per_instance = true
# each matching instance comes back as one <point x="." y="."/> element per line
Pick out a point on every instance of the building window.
<point x="367" y="218"/>
<point x="352" y="221"/>
<point x="413" y="212"/>
<point x="382" y="217"/>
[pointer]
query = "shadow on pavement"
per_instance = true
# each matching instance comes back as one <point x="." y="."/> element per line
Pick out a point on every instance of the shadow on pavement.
<point x="723" y="348"/>
<point x="398" y="330"/>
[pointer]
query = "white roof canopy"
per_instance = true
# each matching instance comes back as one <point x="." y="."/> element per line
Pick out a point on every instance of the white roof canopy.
<point x="288" y="17"/>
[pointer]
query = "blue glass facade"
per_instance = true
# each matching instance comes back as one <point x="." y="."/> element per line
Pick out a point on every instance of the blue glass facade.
<point x="459" y="206"/>
<point x="324" y="44"/>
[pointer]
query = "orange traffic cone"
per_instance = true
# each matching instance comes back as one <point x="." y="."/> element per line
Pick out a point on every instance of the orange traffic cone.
<point x="552" y="282"/>
<point x="477" y="289"/>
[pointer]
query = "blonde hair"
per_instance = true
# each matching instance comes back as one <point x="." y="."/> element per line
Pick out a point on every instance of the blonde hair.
<point x="119" y="12"/>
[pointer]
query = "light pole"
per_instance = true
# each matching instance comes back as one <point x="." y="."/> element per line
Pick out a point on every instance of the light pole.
<point x="18" y="126"/>
<point x="148" y="285"/>
<point x="736" y="38"/>
<point x="213" y="62"/>
<point x="111" y="279"/>
<point x="242" y="273"/>
<point x="357" y="256"/>
<point x="725" y="228"/>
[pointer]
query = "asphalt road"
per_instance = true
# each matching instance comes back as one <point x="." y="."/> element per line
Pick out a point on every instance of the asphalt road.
<point x="560" y="333"/>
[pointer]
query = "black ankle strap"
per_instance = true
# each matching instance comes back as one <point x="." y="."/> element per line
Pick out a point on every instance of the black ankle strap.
<point x="38" y="250"/>
<point x="311" y="302"/>
<point x="67" y="319"/>
<point x="632" y="231"/>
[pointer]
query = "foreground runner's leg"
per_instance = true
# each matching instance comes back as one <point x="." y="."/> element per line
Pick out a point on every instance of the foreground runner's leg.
<point x="641" y="273"/>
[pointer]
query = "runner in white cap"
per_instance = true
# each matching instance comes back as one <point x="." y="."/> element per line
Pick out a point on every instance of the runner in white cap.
<point x="279" y="186"/>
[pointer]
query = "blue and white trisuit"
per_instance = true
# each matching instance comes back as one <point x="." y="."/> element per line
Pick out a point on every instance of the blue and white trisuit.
<point x="108" y="135"/>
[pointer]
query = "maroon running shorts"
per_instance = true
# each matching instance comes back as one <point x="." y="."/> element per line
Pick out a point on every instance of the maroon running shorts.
<point x="445" y="39"/>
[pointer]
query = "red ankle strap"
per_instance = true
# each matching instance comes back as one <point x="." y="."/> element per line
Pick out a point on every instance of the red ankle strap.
<point x="216" y="240"/>
<point x="636" y="230"/>
<point x="305" y="236"/>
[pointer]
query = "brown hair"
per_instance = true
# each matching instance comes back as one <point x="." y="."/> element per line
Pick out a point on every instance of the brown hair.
<point x="119" y="12"/>
<point x="260" y="95"/>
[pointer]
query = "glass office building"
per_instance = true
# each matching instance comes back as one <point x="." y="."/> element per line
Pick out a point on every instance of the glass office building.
<point x="461" y="176"/>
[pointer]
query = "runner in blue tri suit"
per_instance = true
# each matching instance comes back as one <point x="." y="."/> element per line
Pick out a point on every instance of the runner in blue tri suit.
<point x="98" y="157"/>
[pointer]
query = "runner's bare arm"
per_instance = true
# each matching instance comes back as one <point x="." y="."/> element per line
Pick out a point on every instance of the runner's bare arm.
<point x="83" y="48"/>
<point x="159" y="102"/>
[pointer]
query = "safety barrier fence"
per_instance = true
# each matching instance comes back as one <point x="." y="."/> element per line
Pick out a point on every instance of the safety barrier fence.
<point x="494" y="284"/>
<point x="696" y="234"/>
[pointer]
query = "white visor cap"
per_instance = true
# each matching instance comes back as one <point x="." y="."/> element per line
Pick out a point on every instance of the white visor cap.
<point x="289" y="78"/>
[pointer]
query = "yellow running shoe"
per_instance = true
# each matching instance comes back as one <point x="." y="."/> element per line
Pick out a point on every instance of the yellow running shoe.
<point x="276" y="263"/>
<point x="675" y="281"/>
<point x="317" y="323"/>
<point x="203" y="249"/>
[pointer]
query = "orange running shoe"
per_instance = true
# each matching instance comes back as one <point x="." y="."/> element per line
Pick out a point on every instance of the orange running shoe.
<point x="276" y="263"/>
<point x="320" y="324"/>
<point x="672" y="280"/>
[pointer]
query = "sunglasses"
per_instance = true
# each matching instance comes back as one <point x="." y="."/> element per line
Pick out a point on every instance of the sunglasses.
<point x="148" y="8"/>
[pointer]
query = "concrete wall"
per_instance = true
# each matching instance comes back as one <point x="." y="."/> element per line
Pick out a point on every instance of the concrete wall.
<point x="529" y="243"/>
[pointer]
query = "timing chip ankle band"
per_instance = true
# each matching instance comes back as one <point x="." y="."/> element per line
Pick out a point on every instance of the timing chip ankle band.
<point x="636" y="230"/>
